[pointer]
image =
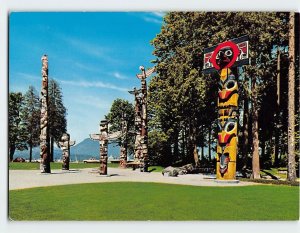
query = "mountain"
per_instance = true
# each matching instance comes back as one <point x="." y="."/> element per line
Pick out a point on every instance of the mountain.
<point x="36" y="153"/>
<point x="89" y="148"/>
<point x="83" y="150"/>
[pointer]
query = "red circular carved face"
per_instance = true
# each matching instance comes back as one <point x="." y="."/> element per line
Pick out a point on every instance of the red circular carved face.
<point x="225" y="55"/>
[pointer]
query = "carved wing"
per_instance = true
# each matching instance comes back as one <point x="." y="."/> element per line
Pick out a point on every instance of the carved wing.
<point x="95" y="137"/>
<point x="150" y="71"/>
<point x="139" y="76"/>
<point x="115" y="135"/>
<point x="72" y="143"/>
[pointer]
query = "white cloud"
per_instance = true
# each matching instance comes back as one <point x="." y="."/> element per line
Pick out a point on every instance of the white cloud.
<point x="91" y="49"/>
<point x="152" y="20"/>
<point x="154" y="17"/>
<point x="93" y="101"/>
<point x="28" y="76"/>
<point x="159" y="14"/>
<point x="93" y="84"/>
<point x="117" y="75"/>
<point x="86" y="67"/>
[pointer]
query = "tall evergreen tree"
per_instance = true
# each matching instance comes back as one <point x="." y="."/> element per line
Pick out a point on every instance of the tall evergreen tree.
<point x="16" y="129"/>
<point x="31" y="118"/>
<point x="122" y="108"/>
<point x="57" y="114"/>
<point x="179" y="51"/>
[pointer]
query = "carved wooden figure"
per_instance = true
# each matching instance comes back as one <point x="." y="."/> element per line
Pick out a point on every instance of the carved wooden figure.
<point x="104" y="147"/>
<point x="103" y="140"/>
<point x="144" y="132"/>
<point x="123" y="150"/>
<point x="225" y="58"/>
<point x="65" y="145"/>
<point x="137" y="123"/>
<point x="44" y="135"/>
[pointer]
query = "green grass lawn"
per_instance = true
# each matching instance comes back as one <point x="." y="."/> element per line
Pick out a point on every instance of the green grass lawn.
<point x="55" y="165"/>
<point x="153" y="201"/>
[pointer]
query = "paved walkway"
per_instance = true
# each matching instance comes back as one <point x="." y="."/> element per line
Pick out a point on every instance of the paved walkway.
<point x="20" y="179"/>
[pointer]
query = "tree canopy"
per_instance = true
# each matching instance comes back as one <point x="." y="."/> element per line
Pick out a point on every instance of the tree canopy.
<point x="182" y="100"/>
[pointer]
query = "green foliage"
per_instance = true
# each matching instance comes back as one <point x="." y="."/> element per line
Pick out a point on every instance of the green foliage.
<point x="57" y="113"/>
<point x="156" y="144"/>
<point x="122" y="109"/>
<point x="182" y="101"/>
<point x="118" y="108"/>
<point x="16" y="129"/>
<point x="31" y="118"/>
<point x="164" y="202"/>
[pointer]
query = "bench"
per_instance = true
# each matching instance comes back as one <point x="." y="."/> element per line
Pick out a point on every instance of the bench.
<point x="134" y="165"/>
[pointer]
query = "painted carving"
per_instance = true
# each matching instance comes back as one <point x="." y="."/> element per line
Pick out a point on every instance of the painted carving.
<point x="137" y="123"/>
<point x="142" y="146"/>
<point x="123" y="150"/>
<point x="223" y="58"/>
<point x="65" y="145"/>
<point x="103" y="146"/>
<point x="44" y="135"/>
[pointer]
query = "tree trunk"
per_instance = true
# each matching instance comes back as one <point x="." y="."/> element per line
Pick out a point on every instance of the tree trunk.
<point x="209" y="143"/>
<point x="176" y="148"/>
<point x="51" y="149"/>
<point x="276" y="145"/>
<point x="30" y="153"/>
<point x="255" y="143"/>
<point x="291" y="101"/>
<point x="196" y="158"/>
<point x="12" y="150"/>
<point x="183" y="145"/>
<point x="245" y="134"/>
<point x="263" y="152"/>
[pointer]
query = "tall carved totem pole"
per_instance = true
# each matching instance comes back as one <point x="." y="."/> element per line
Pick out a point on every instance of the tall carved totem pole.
<point x="65" y="145"/>
<point x="137" y="123"/>
<point x="144" y="128"/>
<point x="103" y="141"/>
<point x="44" y="136"/>
<point x="225" y="58"/>
<point x="103" y="146"/>
<point x="123" y="149"/>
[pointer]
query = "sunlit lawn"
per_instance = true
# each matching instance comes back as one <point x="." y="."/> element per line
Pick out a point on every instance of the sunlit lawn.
<point x="153" y="201"/>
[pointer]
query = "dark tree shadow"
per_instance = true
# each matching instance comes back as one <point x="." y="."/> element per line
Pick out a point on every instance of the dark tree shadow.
<point x="269" y="174"/>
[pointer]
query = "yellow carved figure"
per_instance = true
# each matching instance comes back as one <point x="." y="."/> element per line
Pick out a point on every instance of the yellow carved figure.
<point x="228" y="126"/>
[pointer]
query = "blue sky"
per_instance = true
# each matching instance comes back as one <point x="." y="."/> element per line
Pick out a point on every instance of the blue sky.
<point x="93" y="56"/>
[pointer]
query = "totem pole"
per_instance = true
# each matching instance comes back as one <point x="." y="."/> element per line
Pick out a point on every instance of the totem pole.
<point x="225" y="58"/>
<point x="123" y="150"/>
<point x="144" y="128"/>
<point x="138" y="124"/>
<point x="44" y="136"/>
<point x="103" y="141"/>
<point x="65" y="145"/>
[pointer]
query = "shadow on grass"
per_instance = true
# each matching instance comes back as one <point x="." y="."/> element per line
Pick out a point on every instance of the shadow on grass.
<point x="153" y="169"/>
<point x="269" y="174"/>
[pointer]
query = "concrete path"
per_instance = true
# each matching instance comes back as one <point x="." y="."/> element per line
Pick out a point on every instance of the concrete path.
<point x="20" y="179"/>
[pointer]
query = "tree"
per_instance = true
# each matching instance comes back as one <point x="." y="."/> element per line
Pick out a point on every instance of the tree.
<point x="122" y="108"/>
<point x="16" y="129"/>
<point x="31" y="118"/>
<point x="178" y="96"/>
<point x="57" y="114"/>
<point x="177" y="111"/>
